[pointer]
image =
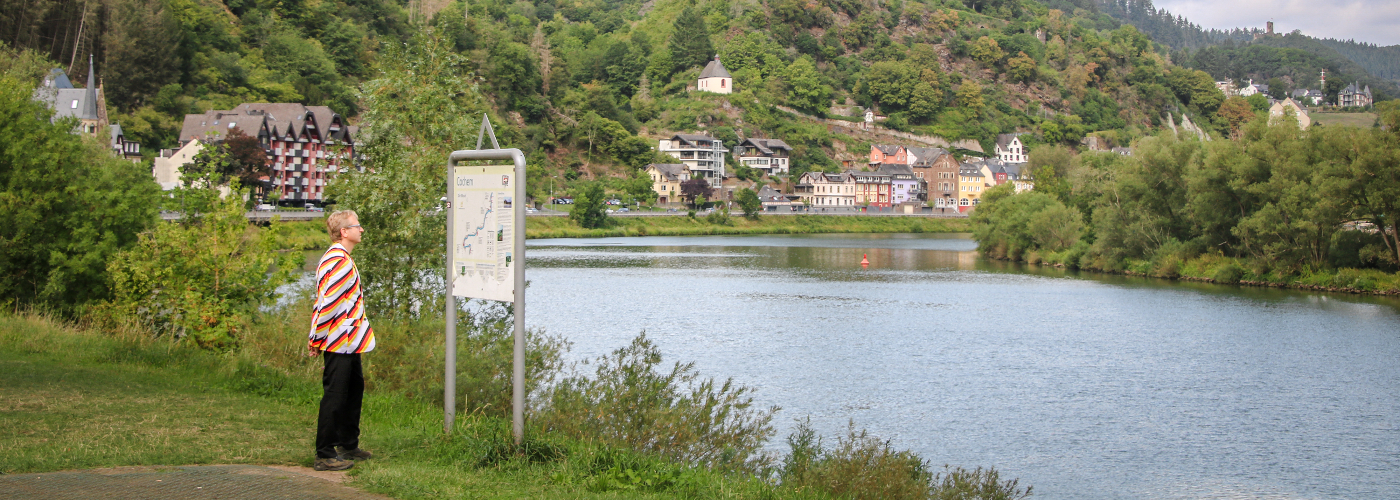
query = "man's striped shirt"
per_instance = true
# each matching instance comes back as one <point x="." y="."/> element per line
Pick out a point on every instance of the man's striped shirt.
<point x="338" y="321"/>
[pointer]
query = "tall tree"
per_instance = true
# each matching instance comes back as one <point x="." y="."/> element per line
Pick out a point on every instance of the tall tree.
<point x="68" y="206"/>
<point x="141" y="55"/>
<point x="249" y="161"/>
<point x="588" y="210"/>
<point x="419" y="108"/>
<point x="690" y="42"/>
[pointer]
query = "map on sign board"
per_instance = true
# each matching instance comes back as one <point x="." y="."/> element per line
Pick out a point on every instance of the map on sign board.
<point x="482" y="232"/>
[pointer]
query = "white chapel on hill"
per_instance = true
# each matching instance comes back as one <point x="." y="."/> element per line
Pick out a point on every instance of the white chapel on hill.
<point x="714" y="78"/>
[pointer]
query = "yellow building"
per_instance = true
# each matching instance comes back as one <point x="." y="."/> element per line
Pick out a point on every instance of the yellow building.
<point x="666" y="180"/>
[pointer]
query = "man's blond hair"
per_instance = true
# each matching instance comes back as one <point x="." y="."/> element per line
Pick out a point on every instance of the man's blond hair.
<point x="337" y="220"/>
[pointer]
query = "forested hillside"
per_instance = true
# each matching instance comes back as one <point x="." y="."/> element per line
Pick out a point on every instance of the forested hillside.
<point x="1383" y="62"/>
<point x="1243" y="53"/>
<point x="1285" y="62"/>
<point x="588" y="86"/>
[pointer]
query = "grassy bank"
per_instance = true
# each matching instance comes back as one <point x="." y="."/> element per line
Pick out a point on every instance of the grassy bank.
<point x="311" y="235"/>
<point x="1216" y="268"/>
<point x="77" y="397"/>
<point x="562" y="227"/>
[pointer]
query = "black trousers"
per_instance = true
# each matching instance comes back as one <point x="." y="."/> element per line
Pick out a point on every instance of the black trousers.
<point x="338" y="423"/>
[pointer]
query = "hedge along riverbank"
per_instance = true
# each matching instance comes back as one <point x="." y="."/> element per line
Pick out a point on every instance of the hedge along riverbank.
<point x="1220" y="269"/>
<point x="562" y="227"/>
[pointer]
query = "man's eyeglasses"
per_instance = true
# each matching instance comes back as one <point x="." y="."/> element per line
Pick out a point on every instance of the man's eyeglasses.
<point x="354" y="226"/>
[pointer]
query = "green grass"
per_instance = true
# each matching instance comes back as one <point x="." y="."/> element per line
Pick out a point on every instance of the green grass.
<point x="1363" y="120"/>
<point x="74" y="398"/>
<point x="562" y="227"/>
<point x="80" y="400"/>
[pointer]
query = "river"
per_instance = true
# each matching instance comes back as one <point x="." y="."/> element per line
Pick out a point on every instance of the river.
<point x="1085" y="386"/>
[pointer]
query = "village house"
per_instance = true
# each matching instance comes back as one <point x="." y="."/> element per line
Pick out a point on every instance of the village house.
<point x="1289" y="106"/>
<point x="167" y="166"/>
<point x="905" y="187"/>
<point x="305" y="145"/>
<point x="938" y="170"/>
<point x="702" y="154"/>
<point x="1010" y="150"/>
<point x="130" y="150"/>
<point x="1308" y="97"/>
<point x="666" y="179"/>
<point x="1252" y="89"/>
<point x="714" y="78"/>
<point x="773" y="201"/>
<point x="887" y="153"/>
<point x="824" y="190"/>
<point x="1354" y="96"/>
<point x="772" y="156"/>
<point x="88" y="104"/>
<point x="873" y="189"/>
<point x="971" y="183"/>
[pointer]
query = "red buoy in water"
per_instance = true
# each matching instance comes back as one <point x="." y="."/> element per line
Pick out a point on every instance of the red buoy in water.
<point x="864" y="262"/>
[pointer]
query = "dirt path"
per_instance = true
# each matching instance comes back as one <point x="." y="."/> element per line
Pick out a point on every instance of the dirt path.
<point x="252" y="482"/>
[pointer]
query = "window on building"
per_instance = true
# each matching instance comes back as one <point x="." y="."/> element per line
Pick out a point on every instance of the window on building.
<point x="74" y="105"/>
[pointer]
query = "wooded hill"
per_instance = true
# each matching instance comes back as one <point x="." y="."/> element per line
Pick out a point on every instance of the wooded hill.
<point x="588" y="86"/>
<point x="1244" y="53"/>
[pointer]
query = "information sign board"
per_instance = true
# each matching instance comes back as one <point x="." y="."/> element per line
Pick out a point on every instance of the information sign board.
<point x="482" y="232"/>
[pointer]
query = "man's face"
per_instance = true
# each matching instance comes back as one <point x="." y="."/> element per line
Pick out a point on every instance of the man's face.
<point x="352" y="234"/>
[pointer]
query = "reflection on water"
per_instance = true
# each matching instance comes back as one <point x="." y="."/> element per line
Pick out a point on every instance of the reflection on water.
<point x="1083" y="385"/>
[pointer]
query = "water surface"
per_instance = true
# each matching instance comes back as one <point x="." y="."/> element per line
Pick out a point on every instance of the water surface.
<point x="1086" y="386"/>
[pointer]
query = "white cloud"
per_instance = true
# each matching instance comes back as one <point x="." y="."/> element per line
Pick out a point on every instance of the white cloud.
<point x="1374" y="21"/>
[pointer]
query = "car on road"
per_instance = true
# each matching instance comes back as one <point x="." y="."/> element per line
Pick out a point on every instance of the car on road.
<point x="314" y="208"/>
<point x="623" y="209"/>
<point x="563" y="201"/>
<point x="265" y="207"/>
<point x="531" y="210"/>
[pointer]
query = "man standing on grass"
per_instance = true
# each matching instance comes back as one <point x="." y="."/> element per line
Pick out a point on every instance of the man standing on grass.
<point x="339" y="334"/>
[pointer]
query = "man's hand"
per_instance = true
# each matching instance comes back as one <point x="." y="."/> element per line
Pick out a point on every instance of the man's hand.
<point x="312" y="351"/>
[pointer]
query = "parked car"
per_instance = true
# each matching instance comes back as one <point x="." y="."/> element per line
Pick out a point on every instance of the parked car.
<point x="614" y="202"/>
<point x="563" y="201"/>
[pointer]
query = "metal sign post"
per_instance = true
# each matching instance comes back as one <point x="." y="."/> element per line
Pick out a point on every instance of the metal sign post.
<point x="486" y="254"/>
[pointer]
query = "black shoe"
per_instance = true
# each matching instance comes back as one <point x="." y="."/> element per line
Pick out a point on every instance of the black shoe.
<point x="332" y="464"/>
<point x="355" y="454"/>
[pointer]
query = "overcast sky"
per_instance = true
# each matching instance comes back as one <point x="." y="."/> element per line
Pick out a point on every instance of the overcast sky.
<point x="1373" y="21"/>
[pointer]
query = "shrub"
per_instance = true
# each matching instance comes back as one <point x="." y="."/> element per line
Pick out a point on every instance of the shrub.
<point x="719" y="217"/>
<point x="1168" y="267"/>
<point x="1228" y="274"/>
<point x="631" y="402"/>
<point x="861" y="466"/>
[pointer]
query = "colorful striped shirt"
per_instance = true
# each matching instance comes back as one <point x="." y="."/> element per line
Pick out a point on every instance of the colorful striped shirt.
<point x="338" y="321"/>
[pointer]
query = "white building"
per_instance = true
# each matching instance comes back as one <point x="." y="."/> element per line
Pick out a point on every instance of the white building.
<point x="702" y="153"/>
<point x="714" y="78"/>
<point x="1010" y="150"/>
<point x="824" y="190"/>
<point x="168" y="164"/>
<point x="769" y="155"/>
<point x="1252" y="89"/>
